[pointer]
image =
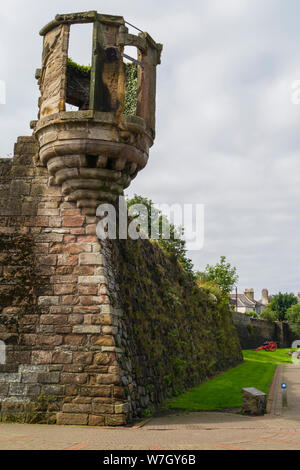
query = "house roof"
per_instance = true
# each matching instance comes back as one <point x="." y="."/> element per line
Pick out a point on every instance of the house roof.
<point x="243" y="301"/>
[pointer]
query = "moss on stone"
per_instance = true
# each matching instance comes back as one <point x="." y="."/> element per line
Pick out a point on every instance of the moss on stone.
<point x="178" y="335"/>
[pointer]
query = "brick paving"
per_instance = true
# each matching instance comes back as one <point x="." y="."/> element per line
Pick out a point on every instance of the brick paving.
<point x="277" y="430"/>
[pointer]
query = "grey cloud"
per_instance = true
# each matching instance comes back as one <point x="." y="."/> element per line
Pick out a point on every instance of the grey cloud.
<point x="227" y="132"/>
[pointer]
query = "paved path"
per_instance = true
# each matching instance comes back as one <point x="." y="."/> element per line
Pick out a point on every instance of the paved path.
<point x="280" y="429"/>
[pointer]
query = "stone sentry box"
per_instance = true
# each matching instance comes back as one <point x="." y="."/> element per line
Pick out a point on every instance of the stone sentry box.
<point x="62" y="327"/>
<point x="94" y="153"/>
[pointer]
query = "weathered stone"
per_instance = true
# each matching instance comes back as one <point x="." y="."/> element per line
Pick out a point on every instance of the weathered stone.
<point x="115" y="420"/>
<point x="49" y="378"/>
<point x="72" y="418"/>
<point x="62" y="357"/>
<point x="102" y="408"/>
<point x="53" y="390"/>
<point x="69" y="378"/>
<point x="254" y="401"/>
<point x="96" y="420"/>
<point x="86" y="329"/>
<point x="41" y="357"/>
<point x="76" y="408"/>
<point x="102" y="340"/>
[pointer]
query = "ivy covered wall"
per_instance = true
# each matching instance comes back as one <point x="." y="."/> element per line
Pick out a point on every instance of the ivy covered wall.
<point x="177" y="334"/>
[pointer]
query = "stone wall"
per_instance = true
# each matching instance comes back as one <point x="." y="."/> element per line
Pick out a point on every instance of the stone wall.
<point x="177" y="335"/>
<point x="62" y="357"/>
<point x="253" y="332"/>
<point x="94" y="334"/>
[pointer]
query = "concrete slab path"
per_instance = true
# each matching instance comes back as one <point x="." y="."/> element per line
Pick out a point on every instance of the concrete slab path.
<point x="279" y="429"/>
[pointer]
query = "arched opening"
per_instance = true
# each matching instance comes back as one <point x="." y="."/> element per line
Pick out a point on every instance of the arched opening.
<point x="130" y="58"/>
<point x="79" y="67"/>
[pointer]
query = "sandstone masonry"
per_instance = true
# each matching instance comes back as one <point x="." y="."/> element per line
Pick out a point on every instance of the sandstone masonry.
<point x="71" y="353"/>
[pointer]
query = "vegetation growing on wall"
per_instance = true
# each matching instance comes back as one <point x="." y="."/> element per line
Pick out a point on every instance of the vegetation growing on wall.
<point x="131" y="82"/>
<point x="155" y="223"/>
<point x="74" y="67"/>
<point x="222" y="274"/>
<point x="131" y="88"/>
<point x="17" y="281"/>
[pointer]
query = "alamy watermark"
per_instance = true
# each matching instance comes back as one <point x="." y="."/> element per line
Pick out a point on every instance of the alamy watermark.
<point x="138" y="221"/>
<point x="2" y="353"/>
<point x="2" y="92"/>
<point x="295" y="354"/>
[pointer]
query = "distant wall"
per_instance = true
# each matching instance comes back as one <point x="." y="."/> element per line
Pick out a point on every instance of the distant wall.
<point x="253" y="332"/>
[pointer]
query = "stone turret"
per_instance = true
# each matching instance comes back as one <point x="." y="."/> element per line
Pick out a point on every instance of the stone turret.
<point x="95" y="152"/>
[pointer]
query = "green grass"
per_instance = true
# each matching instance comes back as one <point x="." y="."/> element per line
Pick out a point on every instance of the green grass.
<point x="224" y="391"/>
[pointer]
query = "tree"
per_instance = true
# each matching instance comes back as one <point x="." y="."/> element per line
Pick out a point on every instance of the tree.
<point x="269" y="314"/>
<point x="281" y="303"/>
<point x="155" y="221"/>
<point x="293" y="317"/>
<point x="293" y="314"/>
<point x="222" y="274"/>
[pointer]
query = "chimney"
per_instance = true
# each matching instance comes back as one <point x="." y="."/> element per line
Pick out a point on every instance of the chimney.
<point x="265" y="297"/>
<point x="249" y="293"/>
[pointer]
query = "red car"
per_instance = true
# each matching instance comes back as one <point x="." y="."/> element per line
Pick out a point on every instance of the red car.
<point x="268" y="346"/>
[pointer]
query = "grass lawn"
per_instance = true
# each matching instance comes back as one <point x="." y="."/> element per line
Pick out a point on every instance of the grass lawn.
<point x="224" y="391"/>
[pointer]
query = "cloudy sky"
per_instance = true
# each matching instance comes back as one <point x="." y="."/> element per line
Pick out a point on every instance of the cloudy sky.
<point x="228" y="133"/>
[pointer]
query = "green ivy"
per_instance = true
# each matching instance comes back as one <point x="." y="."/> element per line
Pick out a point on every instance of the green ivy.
<point x="131" y="83"/>
<point x="83" y="69"/>
<point x="131" y="88"/>
<point x="178" y="334"/>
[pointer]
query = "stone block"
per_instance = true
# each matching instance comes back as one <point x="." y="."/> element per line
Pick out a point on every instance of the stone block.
<point x="121" y="408"/>
<point x="102" y="408"/>
<point x="72" y="418"/>
<point x="17" y="389"/>
<point x="4" y="387"/>
<point x="57" y="390"/>
<point x="103" y="340"/>
<point x="62" y="357"/>
<point x="50" y="340"/>
<point x="115" y="420"/>
<point x="32" y="390"/>
<point x="76" y="408"/>
<point x="48" y="378"/>
<point x="254" y="401"/>
<point x="73" y="221"/>
<point x="96" y="391"/>
<point x="90" y="259"/>
<point x="86" y="329"/>
<point x="91" y="279"/>
<point x="108" y="379"/>
<point x="95" y="420"/>
<point x="48" y="300"/>
<point x="75" y="340"/>
<point x="102" y="359"/>
<point x="83" y="358"/>
<point x="69" y="378"/>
